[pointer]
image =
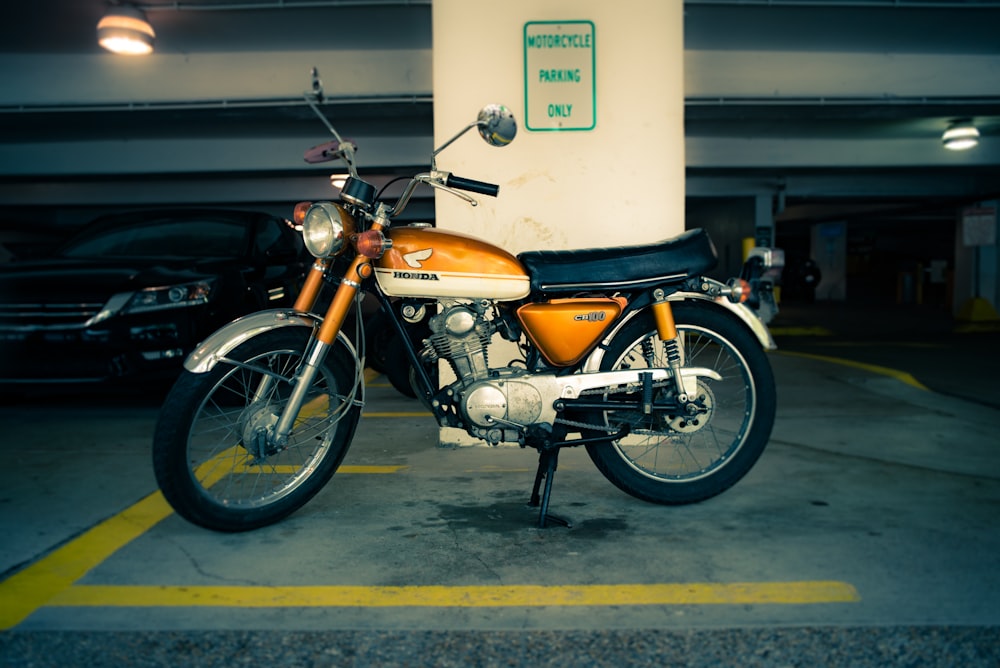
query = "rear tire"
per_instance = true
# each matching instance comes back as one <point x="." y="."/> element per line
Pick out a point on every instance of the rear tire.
<point x="673" y="459"/>
<point x="209" y="460"/>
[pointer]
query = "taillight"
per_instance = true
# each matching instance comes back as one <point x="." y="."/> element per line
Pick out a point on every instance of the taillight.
<point x="372" y="244"/>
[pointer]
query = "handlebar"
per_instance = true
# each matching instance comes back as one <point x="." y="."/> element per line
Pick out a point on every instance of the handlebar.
<point x="447" y="182"/>
<point x="471" y="185"/>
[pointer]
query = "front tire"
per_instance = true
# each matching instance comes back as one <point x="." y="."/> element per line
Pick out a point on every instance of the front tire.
<point x="671" y="459"/>
<point x="211" y="458"/>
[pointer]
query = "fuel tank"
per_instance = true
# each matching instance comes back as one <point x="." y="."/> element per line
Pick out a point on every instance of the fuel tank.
<point x="428" y="262"/>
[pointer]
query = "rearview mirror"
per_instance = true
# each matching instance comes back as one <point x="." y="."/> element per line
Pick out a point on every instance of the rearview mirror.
<point x="331" y="150"/>
<point x="497" y="125"/>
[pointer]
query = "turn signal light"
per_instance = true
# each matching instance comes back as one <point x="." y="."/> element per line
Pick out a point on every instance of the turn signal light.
<point x="372" y="244"/>
<point x="739" y="290"/>
<point x="299" y="213"/>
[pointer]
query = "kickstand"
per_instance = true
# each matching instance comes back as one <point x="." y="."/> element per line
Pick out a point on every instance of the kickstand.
<point x="547" y="462"/>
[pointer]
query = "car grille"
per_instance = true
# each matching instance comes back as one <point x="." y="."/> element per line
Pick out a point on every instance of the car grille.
<point x="47" y="316"/>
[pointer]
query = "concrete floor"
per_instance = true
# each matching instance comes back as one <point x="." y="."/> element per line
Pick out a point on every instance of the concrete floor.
<point x="867" y="532"/>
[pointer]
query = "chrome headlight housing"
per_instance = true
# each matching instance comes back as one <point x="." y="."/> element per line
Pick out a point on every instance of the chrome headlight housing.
<point x="325" y="229"/>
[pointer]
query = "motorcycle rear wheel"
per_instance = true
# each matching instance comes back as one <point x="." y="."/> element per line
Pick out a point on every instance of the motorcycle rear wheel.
<point x="673" y="459"/>
<point x="210" y="458"/>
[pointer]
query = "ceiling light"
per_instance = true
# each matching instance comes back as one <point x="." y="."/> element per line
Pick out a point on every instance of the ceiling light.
<point x="125" y="30"/>
<point x="960" y="135"/>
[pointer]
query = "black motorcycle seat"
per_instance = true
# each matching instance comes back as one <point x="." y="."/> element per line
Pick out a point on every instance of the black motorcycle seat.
<point x="622" y="267"/>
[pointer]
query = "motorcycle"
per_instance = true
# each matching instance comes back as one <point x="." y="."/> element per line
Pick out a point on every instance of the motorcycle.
<point x="659" y="372"/>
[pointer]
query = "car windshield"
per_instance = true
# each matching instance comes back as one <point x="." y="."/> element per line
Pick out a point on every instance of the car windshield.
<point x="167" y="238"/>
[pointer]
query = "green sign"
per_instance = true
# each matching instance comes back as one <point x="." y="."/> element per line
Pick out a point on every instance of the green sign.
<point x="560" y="91"/>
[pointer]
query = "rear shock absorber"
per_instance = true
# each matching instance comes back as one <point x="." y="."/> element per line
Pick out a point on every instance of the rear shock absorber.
<point x="666" y="328"/>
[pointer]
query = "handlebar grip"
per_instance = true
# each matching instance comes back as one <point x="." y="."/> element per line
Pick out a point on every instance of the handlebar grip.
<point x="472" y="185"/>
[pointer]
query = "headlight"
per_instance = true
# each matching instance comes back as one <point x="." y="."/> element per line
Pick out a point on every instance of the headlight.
<point x="171" y="296"/>
<point x="325" y="229"/>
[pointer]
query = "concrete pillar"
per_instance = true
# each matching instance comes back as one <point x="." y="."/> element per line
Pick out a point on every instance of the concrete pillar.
<point x="598" y="91"/>
<point x="764" y="221"/>
<point x="609" y="170"/>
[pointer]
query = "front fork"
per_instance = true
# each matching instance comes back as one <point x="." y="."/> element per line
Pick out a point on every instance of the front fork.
<point x="320" y="344"/>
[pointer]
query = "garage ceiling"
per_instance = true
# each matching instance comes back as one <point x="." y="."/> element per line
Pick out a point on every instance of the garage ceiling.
<point x="780" y="94"/>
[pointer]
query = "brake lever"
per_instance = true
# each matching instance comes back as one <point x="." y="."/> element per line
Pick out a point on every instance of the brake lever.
<point x="436" y="180"/>
<point x="457" y="193"/>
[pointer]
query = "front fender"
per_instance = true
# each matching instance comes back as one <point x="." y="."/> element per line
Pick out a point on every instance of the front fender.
<point x="222" y="341"/>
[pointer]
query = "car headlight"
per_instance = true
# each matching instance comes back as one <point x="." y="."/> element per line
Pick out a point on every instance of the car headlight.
<point x="325" y="229"/>
<point x="170" y="296"/>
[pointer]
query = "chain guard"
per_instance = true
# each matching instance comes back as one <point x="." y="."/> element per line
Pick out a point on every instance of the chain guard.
<point x="699" y="413"/>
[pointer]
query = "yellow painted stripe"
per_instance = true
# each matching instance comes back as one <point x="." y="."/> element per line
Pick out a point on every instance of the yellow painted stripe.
<point x="741" y="593"/>
<point x="396" y="414"/>
<point x="885" y="371"/>
<point x="372" y="469"/>
<point x="288" y="469"/>
<point x="24" y="592"/>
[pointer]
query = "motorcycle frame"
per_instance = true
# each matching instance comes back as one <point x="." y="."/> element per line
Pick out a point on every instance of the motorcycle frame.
<point x="639" y="302"/>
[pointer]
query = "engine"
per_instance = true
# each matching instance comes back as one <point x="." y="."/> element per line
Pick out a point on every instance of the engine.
<point x="461" y="334"/>
<point x="494" y="404"/>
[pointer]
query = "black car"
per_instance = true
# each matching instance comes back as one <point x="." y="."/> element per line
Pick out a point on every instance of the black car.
<point x="131" y="294"/>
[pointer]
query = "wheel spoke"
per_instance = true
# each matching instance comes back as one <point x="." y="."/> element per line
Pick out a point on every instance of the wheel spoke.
<point x="242" y="475"/>
<point x="664" y="453"/>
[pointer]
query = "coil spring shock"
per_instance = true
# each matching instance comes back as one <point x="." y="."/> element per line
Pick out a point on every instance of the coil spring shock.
<point x="667" y="330"/>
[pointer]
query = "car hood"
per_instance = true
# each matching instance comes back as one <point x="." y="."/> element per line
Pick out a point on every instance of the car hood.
<point x="43" y="281"/>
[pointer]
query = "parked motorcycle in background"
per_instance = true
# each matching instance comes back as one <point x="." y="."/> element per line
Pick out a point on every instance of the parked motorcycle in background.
<point x="630" y="352"/>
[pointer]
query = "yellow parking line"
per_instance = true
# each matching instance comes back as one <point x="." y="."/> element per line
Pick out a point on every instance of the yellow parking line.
<point x="372" y="469"/>
<point x="51" y="581"/>
<point x="26" y="591"/>
<point x="396" y="414"/>
<point x="740" y="593"/>
<point x="901" y="376"/>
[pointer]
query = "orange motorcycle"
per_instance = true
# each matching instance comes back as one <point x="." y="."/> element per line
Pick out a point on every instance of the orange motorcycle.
<point x="659" y="372"/>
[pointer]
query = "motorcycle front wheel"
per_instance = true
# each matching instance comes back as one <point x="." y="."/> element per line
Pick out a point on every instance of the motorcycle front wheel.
<point x="674" y="458"/>
<point x="212" y="456"/>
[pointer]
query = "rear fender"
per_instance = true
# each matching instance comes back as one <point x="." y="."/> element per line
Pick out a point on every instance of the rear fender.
<point x="741" y="311"/>
<point x="221" y="342"/>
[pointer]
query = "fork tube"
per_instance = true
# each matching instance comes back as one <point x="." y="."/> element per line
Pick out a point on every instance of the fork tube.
<point x="303" y="303"/>
<point x="335" y="315"/>
<point x="315" y="355"/>
<point x="313" y="283"/>
<point x="342" y="300"/>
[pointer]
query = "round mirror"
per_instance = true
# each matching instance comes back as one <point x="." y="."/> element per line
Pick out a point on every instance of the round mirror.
<point x="497" y="125"/>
